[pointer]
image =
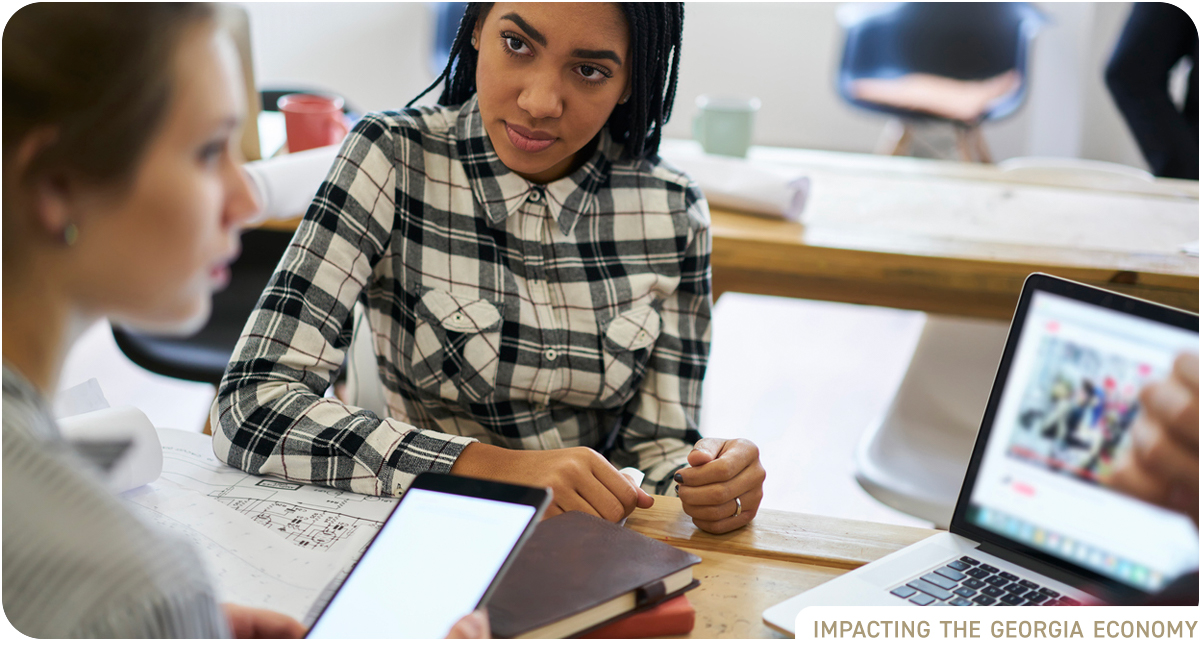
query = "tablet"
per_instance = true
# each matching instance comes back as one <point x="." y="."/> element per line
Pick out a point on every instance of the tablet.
<point x="438" y="556"/>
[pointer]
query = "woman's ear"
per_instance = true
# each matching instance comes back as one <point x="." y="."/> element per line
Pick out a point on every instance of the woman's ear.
<point x="45" y="193"/>
<point x="51" y="208"/>
<point x="476" y="32"/>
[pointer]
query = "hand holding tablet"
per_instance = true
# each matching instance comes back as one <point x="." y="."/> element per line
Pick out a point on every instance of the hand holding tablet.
<point x="436" y="559"/>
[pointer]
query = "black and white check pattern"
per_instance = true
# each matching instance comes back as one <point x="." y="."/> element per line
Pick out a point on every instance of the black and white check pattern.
<point x="522" y="315"/>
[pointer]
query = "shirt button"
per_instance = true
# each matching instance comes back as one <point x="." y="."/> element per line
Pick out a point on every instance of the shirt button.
<point x="551" y="354"/>
<point x="536" y="195"/>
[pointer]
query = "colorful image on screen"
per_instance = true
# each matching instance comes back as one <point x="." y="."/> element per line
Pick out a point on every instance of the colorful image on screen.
<point x="1078" y="407"/>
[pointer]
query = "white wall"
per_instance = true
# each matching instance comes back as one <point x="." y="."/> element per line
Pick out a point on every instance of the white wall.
<point x="784" y="53"/>
<point x="376" y="54"/>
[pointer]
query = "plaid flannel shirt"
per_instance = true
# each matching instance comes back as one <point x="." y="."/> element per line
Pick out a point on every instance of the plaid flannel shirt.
<point x="522" y="315"/>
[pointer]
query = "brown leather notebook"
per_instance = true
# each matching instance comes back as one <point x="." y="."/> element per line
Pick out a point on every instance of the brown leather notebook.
<point x="578" y="572"/>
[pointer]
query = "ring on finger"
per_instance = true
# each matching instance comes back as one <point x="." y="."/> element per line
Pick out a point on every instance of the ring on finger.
<point x="737" y="513"/>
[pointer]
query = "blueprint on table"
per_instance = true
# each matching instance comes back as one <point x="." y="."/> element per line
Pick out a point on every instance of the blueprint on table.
<point x="308" y="516"/>
<point x="269" y="543"/>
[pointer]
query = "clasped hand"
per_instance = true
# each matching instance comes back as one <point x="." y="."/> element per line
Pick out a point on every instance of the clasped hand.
<point x="721" y="473"/>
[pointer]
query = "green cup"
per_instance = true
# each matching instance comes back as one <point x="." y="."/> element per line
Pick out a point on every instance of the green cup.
<point x="724" y="125"/>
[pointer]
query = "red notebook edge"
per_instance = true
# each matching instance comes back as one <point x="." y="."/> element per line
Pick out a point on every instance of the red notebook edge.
<point x="671" y="615"/>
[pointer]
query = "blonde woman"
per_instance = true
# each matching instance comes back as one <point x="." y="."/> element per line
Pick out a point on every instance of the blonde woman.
<point x="123" y="197"/>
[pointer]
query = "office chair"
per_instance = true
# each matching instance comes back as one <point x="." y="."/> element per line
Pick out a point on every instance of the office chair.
<point x="1076" y="172"/>
<point x="364" y="387"/>
<point x="962" y="63"/>
<point x="914" y="458"/>
<point x="203" y="357"/>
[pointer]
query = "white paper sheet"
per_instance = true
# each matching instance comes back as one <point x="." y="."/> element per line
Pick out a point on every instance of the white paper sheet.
<point x="637" y="477"/>
<point x="83" y="398"/>
<point x="140" y="464"/>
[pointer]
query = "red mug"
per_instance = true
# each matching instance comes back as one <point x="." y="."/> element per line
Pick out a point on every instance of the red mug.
<point x="312" y="121"/>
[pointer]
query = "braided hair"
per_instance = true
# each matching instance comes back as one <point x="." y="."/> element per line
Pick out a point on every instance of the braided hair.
<point x="655" y="37"/>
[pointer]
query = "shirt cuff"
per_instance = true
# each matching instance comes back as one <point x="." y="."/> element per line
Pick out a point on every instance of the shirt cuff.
<point x="424" y="451"/>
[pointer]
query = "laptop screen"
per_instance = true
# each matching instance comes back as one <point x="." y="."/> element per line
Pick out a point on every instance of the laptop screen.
<point x="1061" y="424"/>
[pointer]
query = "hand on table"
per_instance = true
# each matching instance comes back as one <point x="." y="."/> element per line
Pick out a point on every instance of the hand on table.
<point x="721" y="473"/>
<point x="253" y="623"/>
<point x="1163" y="466"/>
<point x="582" y="480"/>
<point x="472" y="626"/>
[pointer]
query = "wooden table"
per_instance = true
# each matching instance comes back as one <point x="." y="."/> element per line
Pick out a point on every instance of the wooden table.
<point x="955" y="238"/>
<point x="952" y="238"/>
<point x="775" y="557"/>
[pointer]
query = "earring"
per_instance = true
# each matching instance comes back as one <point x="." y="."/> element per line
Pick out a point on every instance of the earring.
<point x="474" y="42"/>
<point x="624" y="99"/>
<point x="70" y="234"/>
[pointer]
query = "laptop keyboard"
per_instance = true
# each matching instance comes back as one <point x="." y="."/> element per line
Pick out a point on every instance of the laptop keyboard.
<point x="967" y="581"/>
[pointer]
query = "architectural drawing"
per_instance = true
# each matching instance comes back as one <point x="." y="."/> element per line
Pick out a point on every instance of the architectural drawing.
<point x="310" y="517"/>
<point x="267" y="543"/>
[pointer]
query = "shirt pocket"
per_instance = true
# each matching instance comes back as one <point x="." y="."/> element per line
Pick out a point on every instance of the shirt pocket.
<point x="456" y="348"/>
<point x="627" y="343"/>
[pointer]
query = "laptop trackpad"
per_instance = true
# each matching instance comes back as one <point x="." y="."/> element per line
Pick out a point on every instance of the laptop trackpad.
<point x="907" y="563"/>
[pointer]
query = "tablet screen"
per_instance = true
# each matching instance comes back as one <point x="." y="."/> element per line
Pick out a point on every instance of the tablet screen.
<point x="429" y="566"/>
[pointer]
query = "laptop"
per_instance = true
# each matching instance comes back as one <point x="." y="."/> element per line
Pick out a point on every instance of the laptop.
<point x="1033" y="524"/>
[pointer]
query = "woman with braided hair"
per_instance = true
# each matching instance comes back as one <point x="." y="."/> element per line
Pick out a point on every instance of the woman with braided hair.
<point x="534" y="277"/>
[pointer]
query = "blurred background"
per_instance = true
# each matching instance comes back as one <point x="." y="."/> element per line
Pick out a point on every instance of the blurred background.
<point x="378" y="55"/>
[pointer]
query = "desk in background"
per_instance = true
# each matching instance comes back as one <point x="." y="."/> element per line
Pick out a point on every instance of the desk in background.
<point x="955" y="238"/>
<point x="951" y="238"/>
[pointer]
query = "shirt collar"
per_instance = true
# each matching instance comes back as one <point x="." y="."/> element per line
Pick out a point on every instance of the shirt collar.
<point x="500" y="191"/>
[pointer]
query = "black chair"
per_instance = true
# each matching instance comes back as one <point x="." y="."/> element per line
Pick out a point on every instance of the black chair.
<point x="203" y="357"/>
<point x="956" y="42"/>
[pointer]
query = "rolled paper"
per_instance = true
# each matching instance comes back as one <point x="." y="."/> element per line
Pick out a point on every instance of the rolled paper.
<point x="286" y="184"/>
<point x="742" y="185"/>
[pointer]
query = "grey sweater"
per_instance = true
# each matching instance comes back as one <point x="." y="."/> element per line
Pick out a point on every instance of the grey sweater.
<point x="77" y="561"/>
